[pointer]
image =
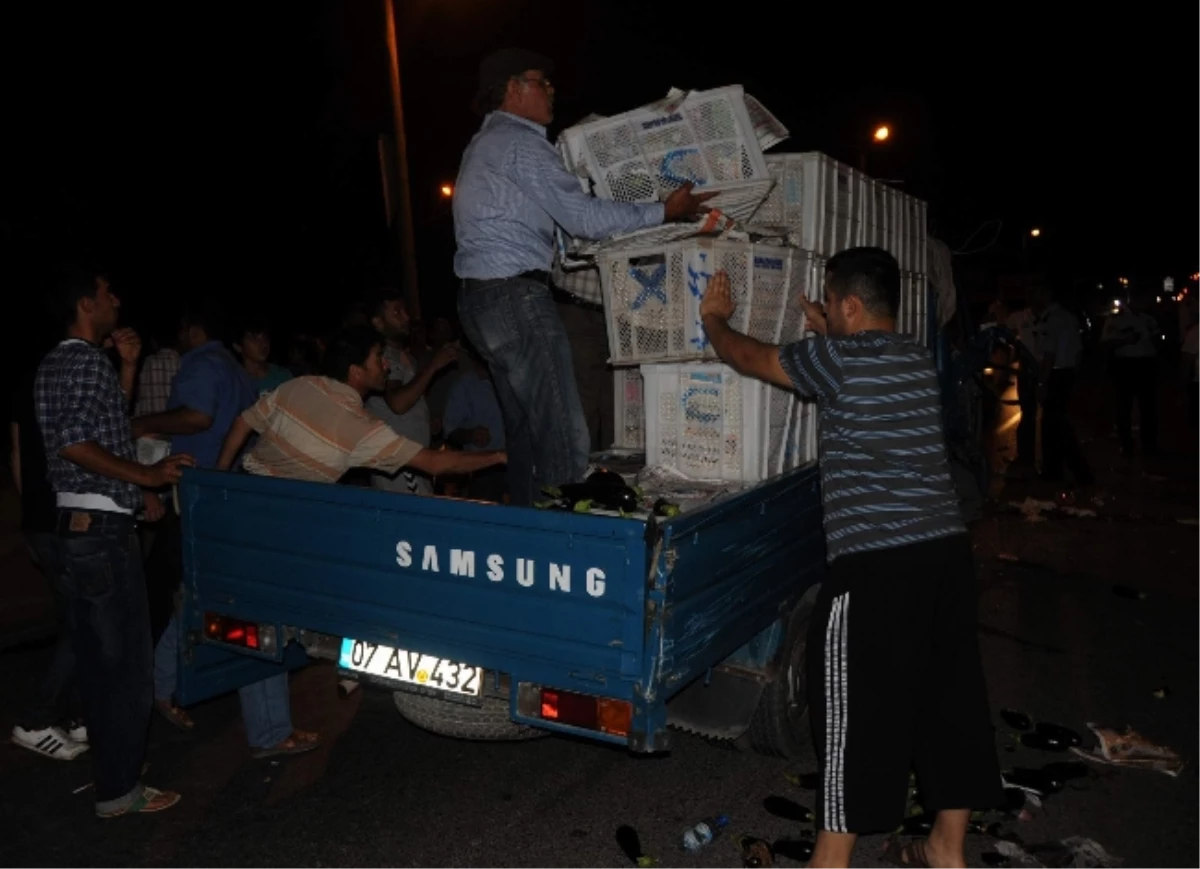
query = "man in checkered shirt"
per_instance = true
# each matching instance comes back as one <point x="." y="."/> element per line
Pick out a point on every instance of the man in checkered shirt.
<point x="82" y="408"/>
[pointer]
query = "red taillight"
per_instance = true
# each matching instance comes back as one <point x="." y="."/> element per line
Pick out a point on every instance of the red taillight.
<point x="236" y="632"/>
<point x="583" y="710"/>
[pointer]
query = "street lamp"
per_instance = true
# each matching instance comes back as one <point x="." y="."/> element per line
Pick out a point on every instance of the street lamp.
<point x="880" y="135"/>
<point x="1035" y="232"/>
<point x="404" y="223"/>
<point x="447" y="190"/>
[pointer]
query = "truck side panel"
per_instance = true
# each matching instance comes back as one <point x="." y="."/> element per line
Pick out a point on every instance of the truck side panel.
<point x="728" y="572"/>
<point x="552" y="598"/>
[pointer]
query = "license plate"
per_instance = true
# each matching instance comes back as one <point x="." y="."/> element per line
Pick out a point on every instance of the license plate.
<point x="411" y="668"/>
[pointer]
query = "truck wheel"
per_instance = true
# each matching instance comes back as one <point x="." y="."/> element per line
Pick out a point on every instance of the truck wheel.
<point x="779" y="727"/>
<point x="489" y="722"/>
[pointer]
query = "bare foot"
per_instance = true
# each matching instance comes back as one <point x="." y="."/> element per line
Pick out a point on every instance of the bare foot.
<point x="939" y="855"/>
<point x="174" y="714"/>
<point x="299" y="742"/>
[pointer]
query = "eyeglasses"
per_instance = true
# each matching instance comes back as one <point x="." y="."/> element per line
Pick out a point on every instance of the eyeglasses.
<point x="543" y="83"/>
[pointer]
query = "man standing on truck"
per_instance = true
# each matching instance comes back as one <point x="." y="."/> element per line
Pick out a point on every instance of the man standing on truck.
<point x="898" y="549"/>
<point x="82" y="409"/>
<point x="512" y="190"/>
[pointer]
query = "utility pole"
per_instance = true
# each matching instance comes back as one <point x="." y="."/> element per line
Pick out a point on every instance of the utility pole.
<point x="404" y="224"/>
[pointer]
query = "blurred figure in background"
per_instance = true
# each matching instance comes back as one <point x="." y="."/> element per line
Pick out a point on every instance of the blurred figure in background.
<point x="253" y="344"/>
<point x="1129" y="337"/>
<point x="475" y="423"/>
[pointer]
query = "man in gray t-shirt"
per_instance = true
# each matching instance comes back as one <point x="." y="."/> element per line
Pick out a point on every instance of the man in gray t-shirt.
<point x="402" y="405"/>
<point x="907" y="652"/>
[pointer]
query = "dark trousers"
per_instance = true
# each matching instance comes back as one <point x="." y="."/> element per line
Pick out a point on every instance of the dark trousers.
<point x="1060" y="446"/>
<point x="58" y="700"/>
<point x="109" y="621"/>
<point x="895" y="682"/>
<point x="588" y="333"/>
<point x="1137" y="380"/>
<point x="515" y="327"/>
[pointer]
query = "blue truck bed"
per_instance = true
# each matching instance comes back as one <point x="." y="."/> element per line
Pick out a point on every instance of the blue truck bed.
<point x="604" y="607"/>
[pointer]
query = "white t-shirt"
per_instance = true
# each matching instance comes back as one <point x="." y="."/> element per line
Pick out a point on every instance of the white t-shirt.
<point x="1191" y="344"/>
<point x="1057" y="332"/>
<point x="1127" y="324"/>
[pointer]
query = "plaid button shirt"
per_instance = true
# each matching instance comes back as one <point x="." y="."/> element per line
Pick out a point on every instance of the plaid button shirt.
<point x="154" y="383"/>
<point x="79" y="399"/>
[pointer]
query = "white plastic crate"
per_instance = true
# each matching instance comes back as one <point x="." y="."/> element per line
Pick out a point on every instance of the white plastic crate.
<point x="707" y="423"/>
<point x="826" y="206"/>
<point x="629" y="418"/>
<point x="652" y="296"/>
<point x="816" y="200"/>
<point x="641" y="156"/>
<point x="735" y="201"/>
<point x="913" y="316"/>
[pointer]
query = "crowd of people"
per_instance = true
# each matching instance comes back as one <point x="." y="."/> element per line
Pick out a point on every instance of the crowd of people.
<point x="100" y="433"/>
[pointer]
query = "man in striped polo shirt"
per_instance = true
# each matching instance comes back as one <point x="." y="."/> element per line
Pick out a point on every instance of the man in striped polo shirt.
<point x="895" y="681"/>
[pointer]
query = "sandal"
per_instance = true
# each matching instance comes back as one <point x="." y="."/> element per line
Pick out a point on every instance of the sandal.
<point x="150" y="800"/>
<point x="908" y="854"/>
<point x="299" y="742"/>
<point x="174" y="715"/>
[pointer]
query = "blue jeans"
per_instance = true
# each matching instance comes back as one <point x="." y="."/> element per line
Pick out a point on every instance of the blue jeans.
<point x="266" y="705"/>
<point x="108" y="617"/>
<point x="514" y="325"/>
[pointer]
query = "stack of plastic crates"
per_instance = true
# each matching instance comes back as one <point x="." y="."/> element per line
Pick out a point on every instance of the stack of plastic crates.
<point x="699" y="418"/>
<point x="824" y="206"/>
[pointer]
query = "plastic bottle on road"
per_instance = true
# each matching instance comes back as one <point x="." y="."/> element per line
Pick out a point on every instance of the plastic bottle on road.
<point x="704" y="832"/>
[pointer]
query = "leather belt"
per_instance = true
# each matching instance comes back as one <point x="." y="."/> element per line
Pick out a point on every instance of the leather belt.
<point x="537" y="275"/>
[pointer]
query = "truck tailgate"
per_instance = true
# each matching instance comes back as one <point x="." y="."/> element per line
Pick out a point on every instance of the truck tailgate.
<point x="532" y="593"/>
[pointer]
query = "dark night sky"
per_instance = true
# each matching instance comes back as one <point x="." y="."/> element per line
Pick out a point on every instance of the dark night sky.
<point x="232" y="145"/>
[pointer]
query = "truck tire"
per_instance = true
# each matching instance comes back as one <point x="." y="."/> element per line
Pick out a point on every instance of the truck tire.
<point x="780" y="726"/>
<point x="489" y="722"/>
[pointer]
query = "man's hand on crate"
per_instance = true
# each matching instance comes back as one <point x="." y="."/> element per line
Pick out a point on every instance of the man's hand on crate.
<point x="718" y="300"/>
<point x="682" y="204"/>
<point x="814" y="313"/>
<point x="745" y="355"/>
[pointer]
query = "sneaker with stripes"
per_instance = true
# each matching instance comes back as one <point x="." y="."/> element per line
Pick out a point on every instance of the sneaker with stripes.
<point x="51" y="742"/>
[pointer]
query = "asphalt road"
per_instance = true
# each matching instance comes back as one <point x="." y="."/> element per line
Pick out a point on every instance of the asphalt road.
<point x="1057" y="643"/>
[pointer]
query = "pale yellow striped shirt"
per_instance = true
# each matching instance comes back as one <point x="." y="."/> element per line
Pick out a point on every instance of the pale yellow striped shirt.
<point x="316" y="428"/>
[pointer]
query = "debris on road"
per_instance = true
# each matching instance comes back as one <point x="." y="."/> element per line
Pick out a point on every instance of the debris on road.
<point x="755" y="852"/>
<point x="1131" y="749"/>
<point x="800" y="850"/>
<point x="1073" y="851"/>
<point x="631" y="844"/>
<point x="789" y="810"/>
<point x="808" y="781"/>
<point x="1033" y="509"/>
